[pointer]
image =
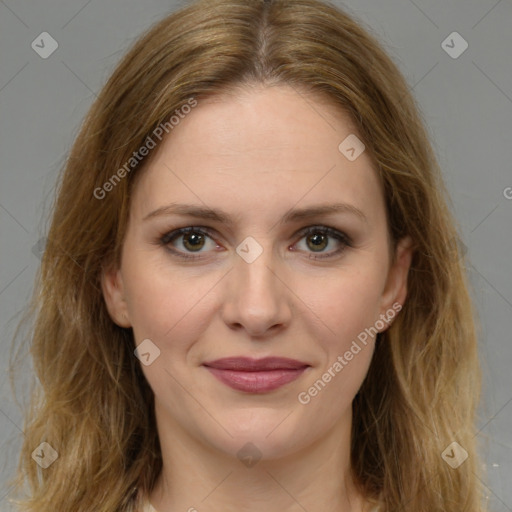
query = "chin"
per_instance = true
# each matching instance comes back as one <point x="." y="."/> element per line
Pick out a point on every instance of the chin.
<point x="262" y="435"/>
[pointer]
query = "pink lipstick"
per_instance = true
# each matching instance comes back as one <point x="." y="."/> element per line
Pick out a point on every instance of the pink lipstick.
<point x="256" y="375"/>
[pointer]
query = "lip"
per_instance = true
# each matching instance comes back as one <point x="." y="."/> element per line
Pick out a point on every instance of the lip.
<point x="256" y="375"/>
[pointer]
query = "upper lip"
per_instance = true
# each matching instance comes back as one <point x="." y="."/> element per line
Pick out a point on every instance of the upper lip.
<point x="249" y="364"/>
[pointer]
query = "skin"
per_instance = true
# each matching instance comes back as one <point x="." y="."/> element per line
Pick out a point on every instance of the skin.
<point x="256" y="154"/>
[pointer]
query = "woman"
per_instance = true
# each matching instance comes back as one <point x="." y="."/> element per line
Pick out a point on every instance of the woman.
<point x="251" y="296"/>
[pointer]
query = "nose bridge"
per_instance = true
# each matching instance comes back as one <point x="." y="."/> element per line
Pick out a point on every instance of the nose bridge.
<point x="256" y="295"/>
<point x="254" y="269"/>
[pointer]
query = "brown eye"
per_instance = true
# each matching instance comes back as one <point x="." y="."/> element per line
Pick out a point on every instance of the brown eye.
<point x="318" y="241"/>
<point x="193" y="241"/>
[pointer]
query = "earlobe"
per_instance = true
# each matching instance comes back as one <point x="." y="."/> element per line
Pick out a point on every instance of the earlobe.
<point x="113" y="294"/>
<point x="395" y="291"/>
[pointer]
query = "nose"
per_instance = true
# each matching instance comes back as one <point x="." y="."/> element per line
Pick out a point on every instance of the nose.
<point x="257" y="298"/>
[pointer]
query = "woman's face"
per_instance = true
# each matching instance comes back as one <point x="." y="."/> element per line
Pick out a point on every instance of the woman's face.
<point x="256" y="284"/>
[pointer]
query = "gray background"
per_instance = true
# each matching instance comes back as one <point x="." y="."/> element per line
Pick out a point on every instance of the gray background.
<point x="466" y="103"/>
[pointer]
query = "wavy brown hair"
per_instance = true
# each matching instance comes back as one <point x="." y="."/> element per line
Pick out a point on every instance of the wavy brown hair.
<point x="92" y="403"/>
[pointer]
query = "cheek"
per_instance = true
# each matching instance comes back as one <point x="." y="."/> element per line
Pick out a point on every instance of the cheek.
<point x="346" y="304"/>
<point x="151" y="304"/>
<point x="170" y="308"/>
<point x="348" y="307"/>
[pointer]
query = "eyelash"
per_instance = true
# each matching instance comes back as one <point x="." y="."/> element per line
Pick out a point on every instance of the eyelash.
<point x="324" y="230"/>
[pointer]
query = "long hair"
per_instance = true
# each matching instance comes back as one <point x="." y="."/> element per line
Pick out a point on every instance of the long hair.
<point x="91" y="402"/>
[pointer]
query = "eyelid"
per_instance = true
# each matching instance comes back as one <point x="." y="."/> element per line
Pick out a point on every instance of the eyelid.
<point x="174" y="233"/>
<point x="213" y="233"/>
<point x="333" y="232"/>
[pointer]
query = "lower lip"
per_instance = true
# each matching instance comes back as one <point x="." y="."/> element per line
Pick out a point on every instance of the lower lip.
<point x="256" y="382"/>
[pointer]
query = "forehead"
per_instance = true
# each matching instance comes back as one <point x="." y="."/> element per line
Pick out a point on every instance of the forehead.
<point x="274" y="142"/>
<point x="277" y="120"/>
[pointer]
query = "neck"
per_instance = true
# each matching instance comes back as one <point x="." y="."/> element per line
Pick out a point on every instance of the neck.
<point x="197" y="477"/>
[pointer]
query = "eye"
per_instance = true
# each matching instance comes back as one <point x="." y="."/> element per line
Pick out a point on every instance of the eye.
<point x="194" y="239"/>
<point x="318" y="238"/>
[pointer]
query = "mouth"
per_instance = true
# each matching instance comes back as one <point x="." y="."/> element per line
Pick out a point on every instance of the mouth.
<point x="256" y="375"/>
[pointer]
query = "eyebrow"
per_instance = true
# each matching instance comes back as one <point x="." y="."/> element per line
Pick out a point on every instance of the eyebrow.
<point x="206" y="213"/>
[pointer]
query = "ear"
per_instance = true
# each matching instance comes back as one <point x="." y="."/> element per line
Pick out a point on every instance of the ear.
<point x="113" y="293"/>
<point x="395" y="290"/>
